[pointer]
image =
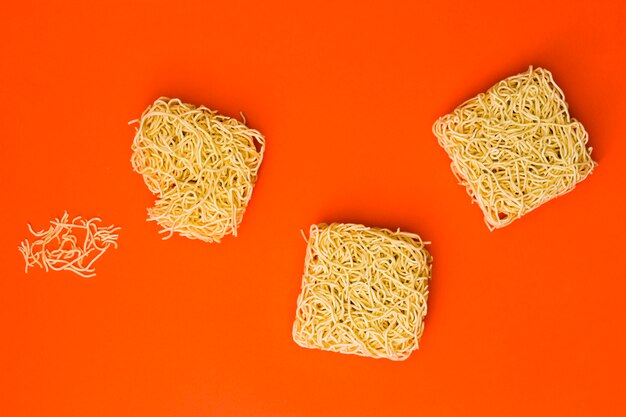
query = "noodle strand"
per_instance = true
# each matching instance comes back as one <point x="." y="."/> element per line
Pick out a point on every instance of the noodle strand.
<point x="69" y="245"/>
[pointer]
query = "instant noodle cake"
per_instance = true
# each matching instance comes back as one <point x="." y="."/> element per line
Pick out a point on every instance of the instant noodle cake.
<point x="515" y="146"/>
<point x="201" y="166"/>
<point x="364" y="291"/>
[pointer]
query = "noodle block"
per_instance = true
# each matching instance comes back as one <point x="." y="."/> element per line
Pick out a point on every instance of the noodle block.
<point x="201" y="166"/>
<point x="364" y="291"/>
<point x="515" y="146"/>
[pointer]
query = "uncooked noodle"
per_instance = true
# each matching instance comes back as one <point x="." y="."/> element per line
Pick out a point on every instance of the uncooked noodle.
<point x="69" y="245"/>
<point x="201" y="166"/>
<point x="364" y="291"/>
<point x="515" y="147"/>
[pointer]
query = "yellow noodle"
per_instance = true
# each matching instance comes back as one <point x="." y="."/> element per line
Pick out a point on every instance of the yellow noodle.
<point x="59" y="247"/>
<point x="515" y="146"/>
<point x="364" y="291"/>
<point x="201" y="166"/>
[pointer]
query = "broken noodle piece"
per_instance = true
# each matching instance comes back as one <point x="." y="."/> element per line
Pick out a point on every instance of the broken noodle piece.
<point x="69" y="245"/>
<point x="201" y="166"/>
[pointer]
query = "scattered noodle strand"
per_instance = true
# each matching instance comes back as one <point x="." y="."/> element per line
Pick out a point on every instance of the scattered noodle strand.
<point x="201" y="166"/>
<point x="515" y="147"/>
<point x="69" y="245"/>
<point x="364" y="291"/>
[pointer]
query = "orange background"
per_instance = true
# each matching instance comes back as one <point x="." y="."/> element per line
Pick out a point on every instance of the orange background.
<point x="527" y="320"/>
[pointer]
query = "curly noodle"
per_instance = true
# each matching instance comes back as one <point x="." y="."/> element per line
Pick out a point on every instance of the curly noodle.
<point x="515" y="147"/>
<point x="69" y="245"/>
<point x="202" y="166"/>
<point x="364" y="291"/>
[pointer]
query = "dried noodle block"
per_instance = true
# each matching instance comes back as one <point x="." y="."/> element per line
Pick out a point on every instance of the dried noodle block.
<point x="515" y="146"/>
<point x="201" y="166"/>
<point x="364" y="291"/>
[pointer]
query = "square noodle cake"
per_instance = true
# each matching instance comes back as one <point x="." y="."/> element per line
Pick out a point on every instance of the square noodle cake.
<point x="515" y="146"/>
<point x="364" y="291"/>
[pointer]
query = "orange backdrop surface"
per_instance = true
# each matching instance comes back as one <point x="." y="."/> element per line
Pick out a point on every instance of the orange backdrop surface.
<point x="526" y="320"/>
